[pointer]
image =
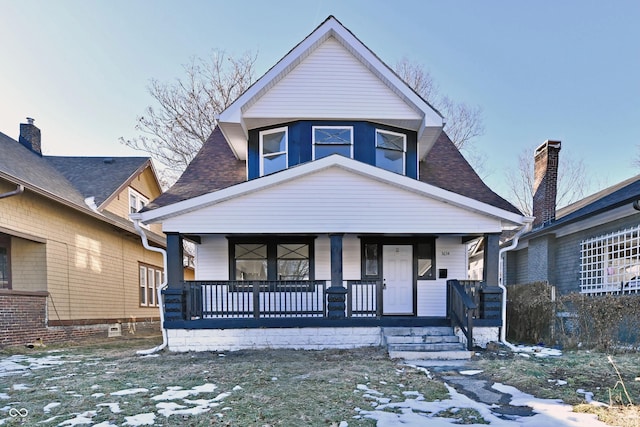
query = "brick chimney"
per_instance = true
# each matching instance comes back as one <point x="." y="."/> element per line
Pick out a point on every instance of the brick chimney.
<point x="30" y="136"/>
<point x="545" y="182"/>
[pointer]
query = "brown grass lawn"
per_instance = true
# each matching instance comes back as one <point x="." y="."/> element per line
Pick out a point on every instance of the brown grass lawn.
<point x="106" y="382"/>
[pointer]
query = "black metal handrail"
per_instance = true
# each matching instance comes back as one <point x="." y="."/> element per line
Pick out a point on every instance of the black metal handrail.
<point x="462" y="309"/>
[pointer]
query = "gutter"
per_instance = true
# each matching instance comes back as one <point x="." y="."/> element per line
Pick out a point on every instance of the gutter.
<point x="18" y="190"/>
<point x="145" y="243"/>
<point x="528" y="222"/>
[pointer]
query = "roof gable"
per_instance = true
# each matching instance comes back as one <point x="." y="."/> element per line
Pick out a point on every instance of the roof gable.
<point x="235" y="125"/>
<point x="331" y="83"/>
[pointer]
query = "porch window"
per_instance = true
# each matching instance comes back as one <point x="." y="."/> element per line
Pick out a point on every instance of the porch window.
<point x="611" y="263"/>
<point x="273" y="150"/>
<point x="150" y="278"/>
<point x="329" y="140"/>
<point x="251" y="261"/>
<point x="391" y="148"/>
<point x="426" y="261"/>
<point x="272" y="260"/>
<point x="5" y="262"/>
<point x="371" y="260"/>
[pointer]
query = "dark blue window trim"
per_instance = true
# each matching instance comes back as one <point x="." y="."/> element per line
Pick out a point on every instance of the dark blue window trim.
<point x="301" y="147"/>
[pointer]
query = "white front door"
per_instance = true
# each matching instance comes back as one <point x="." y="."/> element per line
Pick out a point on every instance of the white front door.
<point x="397" y="294"/>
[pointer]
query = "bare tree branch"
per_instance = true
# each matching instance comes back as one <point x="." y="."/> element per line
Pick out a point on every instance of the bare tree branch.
<point x="184" y="117"/>
<point x="463" y="122"/>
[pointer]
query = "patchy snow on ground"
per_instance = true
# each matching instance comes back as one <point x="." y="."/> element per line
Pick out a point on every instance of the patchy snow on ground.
<point x="536" y="350"/>
<point x="415" y="411"/>
<point x="409" y="410"/>
<point x="20" y="364"/>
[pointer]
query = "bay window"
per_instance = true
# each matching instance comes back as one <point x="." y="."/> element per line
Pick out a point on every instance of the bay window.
<point x="329" y="140"/>
<point x="273" y="150"/>
<point x="391" y="148"/>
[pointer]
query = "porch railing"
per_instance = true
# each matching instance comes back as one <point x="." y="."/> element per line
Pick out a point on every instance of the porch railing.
<point x="255" y="299"/>
<point x="462" y="309"/>
<point x="472" y="302"/>
<point x="273" y="299"/>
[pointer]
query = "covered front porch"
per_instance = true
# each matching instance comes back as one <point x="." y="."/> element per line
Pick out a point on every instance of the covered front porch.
<point x="424" y="295"/>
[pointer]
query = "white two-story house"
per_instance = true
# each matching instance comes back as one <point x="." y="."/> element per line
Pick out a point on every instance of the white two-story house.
<point x="327" y="204"/>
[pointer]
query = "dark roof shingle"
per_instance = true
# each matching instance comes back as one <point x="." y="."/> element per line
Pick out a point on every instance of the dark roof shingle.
<point x="98" y="177"/>
<point x="445" y="167"/>
<point x="214" y="167"/>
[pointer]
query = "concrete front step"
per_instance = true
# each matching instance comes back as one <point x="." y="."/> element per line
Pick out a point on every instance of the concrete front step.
<point x="421" y="339"/>
<point x="431" y="355"/>
<point x="417" y="330"/>
<point x="435" y="343"/>
<point x="441" y="346"/>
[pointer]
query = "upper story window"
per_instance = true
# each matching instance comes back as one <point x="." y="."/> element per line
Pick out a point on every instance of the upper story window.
<point x="136" y="201"/>
<point x="273" y="150"/>
<point x="391" y="148"/>
<point x="329" y="140"/>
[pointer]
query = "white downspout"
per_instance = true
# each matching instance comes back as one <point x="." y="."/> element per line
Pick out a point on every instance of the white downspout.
<point x="145" y="243"/>
<point x="514" y="242"/>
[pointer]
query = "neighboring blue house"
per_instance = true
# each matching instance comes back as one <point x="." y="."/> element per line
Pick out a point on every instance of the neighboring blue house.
<point x="327" y="205"/>
<point x="591" y="246"/>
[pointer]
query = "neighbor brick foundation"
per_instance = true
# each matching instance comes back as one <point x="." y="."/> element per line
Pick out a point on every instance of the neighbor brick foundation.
<point x="23" y="320"/>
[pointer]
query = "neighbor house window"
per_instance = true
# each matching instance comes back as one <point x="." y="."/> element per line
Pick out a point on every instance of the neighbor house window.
<point x="391" y="150"/>
<point x="611" y="263"/>
<point x="5" y="262"/>
<point x="150" y="278"/>
<point x="273" y="150"/>
<point x="272" y="260"/>
<point x="329" y="140"/>
<point x="136" y="201"/>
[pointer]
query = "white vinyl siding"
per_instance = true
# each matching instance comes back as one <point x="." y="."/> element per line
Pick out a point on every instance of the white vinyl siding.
<point x="331" y="83"/>
<point x="311" y="204"/>
<point x="212" y="258"/>
<point x="432" y="294"/>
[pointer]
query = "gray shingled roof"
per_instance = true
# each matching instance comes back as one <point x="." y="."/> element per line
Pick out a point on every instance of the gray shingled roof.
<point x="622" y="193"/>
<point x="31" y="169"/>
<point x="215" y="167"/>
<point x="98" y="177"/>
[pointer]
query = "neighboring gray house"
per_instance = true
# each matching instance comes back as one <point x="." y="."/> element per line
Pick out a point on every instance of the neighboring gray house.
<point x="591" y="246"/>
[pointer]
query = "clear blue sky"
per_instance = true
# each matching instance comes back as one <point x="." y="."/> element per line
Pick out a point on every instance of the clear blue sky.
<point x="567" y="70"/>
